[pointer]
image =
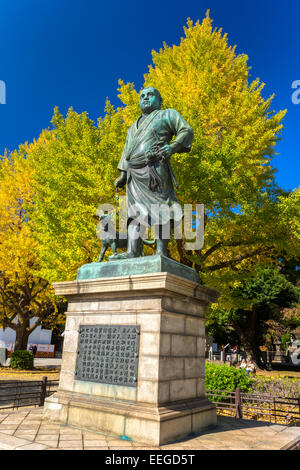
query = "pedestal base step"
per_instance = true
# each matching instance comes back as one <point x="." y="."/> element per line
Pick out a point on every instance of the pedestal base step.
<point x="148" y="424"/>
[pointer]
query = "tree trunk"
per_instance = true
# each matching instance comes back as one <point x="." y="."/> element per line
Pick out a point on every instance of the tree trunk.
<point x="250" y="350"/>
<point x="22" y="333"/>
<point x="248" y="338"/>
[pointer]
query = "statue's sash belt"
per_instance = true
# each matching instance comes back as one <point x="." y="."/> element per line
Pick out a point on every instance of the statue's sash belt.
<point x="137" y="166"/>
<point x="154" y="180"/>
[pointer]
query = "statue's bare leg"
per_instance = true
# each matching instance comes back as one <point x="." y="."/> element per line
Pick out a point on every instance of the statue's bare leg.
<point x="134" y="243"/>
<point x="162" y="247"/>
<point x="102" y="253"/>
<point x="114" y="248"/>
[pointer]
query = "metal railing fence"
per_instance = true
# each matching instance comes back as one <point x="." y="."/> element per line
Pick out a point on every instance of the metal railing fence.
<point x="264" y="407"/>
<point x="21" y="393"/>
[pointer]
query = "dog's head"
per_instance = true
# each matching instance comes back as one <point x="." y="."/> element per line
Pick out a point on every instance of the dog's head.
<point x="105" y="219"/>
<point x="103" y="216"/>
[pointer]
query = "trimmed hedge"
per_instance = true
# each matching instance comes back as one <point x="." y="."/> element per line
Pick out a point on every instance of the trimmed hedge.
<point x="223" y="377"/>
<point x="21" y="360"/>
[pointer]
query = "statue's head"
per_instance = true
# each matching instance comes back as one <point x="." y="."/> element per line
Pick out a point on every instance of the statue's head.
<point x="150" y="100"/>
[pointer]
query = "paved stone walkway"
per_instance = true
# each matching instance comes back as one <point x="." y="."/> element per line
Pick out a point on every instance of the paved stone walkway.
<point x="26" y="430"/>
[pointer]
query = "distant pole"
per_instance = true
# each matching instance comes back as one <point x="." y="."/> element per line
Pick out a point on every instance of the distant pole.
<point x="43" y="391"/>
<point x="223" y="355"/>
<point x="238" y="404"/>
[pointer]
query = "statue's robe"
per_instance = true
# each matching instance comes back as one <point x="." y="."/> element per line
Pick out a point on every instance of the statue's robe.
<point x="158" y="128"/>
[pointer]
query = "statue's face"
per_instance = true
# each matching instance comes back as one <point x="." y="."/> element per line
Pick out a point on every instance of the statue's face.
<point x="149" y="100"/>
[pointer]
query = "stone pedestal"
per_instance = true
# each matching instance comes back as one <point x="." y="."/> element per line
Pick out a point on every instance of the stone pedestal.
<point x="168" y="401"/>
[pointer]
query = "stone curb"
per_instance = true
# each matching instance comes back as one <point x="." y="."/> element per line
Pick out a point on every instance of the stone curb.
<point x="293" y="445"/>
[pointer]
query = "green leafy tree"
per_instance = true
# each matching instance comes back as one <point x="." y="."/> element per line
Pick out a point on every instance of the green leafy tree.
<point x="259" y="301"/>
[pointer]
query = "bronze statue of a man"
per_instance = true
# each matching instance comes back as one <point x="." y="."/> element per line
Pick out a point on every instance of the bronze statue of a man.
<point x="145" y="168"/>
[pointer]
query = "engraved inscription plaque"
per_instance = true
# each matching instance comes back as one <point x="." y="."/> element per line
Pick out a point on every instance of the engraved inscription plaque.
<point x="108" y="354"/>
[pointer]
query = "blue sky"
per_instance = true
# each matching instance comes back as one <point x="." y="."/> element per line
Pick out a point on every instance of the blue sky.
<point x="72" y="53"/>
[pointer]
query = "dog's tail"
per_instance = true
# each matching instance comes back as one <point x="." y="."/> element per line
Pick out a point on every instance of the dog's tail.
<point x="148" y="242"/>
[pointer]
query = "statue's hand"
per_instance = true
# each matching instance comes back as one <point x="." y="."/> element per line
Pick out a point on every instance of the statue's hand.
<point x="121" y="181"/>
<point x="165" y="152"/>
<point x="151" y="155"/>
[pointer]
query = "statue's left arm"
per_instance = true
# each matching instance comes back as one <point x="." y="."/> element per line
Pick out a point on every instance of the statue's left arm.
<point x="181" y="130"/>
<point x="178" y="127"/>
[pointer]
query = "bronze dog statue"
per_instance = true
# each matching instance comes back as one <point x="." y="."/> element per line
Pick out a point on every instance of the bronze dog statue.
<point x="118" y="241"/>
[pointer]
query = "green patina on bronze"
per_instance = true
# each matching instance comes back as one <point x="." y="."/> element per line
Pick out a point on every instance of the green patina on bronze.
<point x="143" y="265"/>
<point x="146" y="169"/>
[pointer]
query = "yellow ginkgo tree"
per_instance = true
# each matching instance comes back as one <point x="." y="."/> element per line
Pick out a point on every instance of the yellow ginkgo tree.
<point x="229" y="168"/>
<point x="25" y="298"/>
<point x="248" y="219"/>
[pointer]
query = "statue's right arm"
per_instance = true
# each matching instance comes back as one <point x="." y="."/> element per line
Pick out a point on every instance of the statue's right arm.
<point x="121" y="181"/>
<point x="122" y="166"/>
